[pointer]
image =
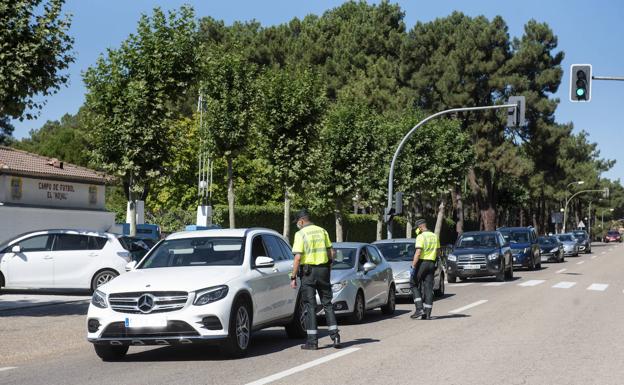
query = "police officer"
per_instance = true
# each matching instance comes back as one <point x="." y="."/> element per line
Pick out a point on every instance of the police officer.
<point x="314" y="254"/>
<point x="423" y="270"/>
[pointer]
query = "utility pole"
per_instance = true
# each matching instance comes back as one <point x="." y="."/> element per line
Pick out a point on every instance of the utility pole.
<point x="515" y="110"/>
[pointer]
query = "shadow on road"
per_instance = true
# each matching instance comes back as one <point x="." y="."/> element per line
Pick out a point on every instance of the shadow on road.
<point x="48" y="310"/>
<point x="450" y="316"/>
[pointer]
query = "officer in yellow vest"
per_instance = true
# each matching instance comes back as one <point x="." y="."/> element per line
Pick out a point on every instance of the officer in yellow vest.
<point x="423" y="269"/>
<point x="314" y="254"/>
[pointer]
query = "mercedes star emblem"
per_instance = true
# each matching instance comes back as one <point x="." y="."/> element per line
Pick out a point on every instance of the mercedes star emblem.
<point x="146" y="303"/>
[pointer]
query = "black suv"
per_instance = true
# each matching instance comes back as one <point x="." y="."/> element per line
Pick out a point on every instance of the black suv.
<point x="524" y="246"/>
<point x="480" y="254"/>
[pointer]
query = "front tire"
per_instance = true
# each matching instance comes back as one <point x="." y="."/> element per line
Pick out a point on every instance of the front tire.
<point x="441" y="289"/>
<point x="451" y="278"/>
<point x="389" y="307"/>
<point x="509" y="273"/>
<point x="239" y="333"/>
<point x="111" y="353"/>
<point x="359" y="309"/>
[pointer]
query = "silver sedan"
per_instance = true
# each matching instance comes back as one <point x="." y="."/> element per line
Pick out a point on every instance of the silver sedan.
<point x="361" y="280"/>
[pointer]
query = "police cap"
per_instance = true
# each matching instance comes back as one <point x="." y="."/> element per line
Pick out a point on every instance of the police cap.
<point x="420" y="222"/>
<point x="303" y="213"/>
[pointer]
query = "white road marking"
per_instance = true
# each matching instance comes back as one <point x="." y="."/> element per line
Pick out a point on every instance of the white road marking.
<point x="533" y="282"/>
<point x="564" y="285"/>
<point x="495" y="284"/>
<point x="474" y="304"/>
<point x="598" y="287"/>
<point x="300" y="368"/>
<point x="463" y="284"/>
<point x="580" y="263"/>
<point x="594" y="257"/>
<point x="560" y="271"/>
<point x="604" y="252"/>
<point x="7" y="368"/>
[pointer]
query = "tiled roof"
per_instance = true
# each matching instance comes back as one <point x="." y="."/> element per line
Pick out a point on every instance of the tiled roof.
<point x="17" y="162"/>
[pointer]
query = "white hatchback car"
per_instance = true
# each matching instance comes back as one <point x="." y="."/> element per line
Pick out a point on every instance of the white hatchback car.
<point x="61" y="259"/>
<point x="208" y="286"/>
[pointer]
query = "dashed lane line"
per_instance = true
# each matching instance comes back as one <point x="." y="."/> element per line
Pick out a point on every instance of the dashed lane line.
<point x="604" y="252"/>
<point x="533" y="282"/>
<point x="594" y="257"/>
<point x="560" y="271"/>
<point x="463" y="284"/>
<point x="8" y="368"/>
<point x="580" y="263"/>
<point x="495" y="283"/>
<point x="598" y="287"/>
<point x="300" y="368"/>
<point x="564" y="285"/>
<point x="470" y="306"/>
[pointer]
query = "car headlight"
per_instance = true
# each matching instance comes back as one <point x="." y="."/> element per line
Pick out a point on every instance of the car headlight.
<point x="99" y="300"/>
<point x="403" y="275"/>
<point x="492" y="256"/>
<point x="526" y="250"/>
<point x="336" y="287"/>
<point x="554" y="250"/>
<point x="452" y="258"/>
<point x="210" y="295"/>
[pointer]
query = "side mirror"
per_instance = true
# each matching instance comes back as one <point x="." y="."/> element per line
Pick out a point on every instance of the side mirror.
<point x="131" y="265"/>
<point x="264" y="262"/>
<point x="16" y="249"/>
<point x="368" y="266"/>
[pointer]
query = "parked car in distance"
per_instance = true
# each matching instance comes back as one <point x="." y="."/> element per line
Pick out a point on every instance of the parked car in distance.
<point x="570" y="245"/>
<point x="61" y="259"/>
<point x="361" y="280"/>
<point x="524" y="246"/>
<point x="583" y="240"/>
<point x="551" y="249"/>
<point x="480" y="254"/>
<point x="399" y="253"/>
<point x="210" y="286"/>
<point x="612" y="236"/>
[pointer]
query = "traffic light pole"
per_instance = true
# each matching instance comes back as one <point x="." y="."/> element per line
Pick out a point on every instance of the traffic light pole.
<point x="389" y="208"/>
<point x="620" y="78"/>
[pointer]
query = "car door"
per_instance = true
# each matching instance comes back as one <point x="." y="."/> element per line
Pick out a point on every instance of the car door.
<point x="378" y="276"/>
<point x="33" y="266"/>
<point x="288" y="261"/>
<point x="264" y="283"/>
<point x="283" y="267"/>
<point x="74" y="263"/>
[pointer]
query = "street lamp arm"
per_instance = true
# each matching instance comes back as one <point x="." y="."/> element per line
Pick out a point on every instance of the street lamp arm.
<point x="565" y="210"/>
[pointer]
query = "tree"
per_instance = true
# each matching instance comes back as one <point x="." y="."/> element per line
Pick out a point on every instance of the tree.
<point x="291" y="107"/>
<point x="133" y="96"/>
<point x="229" y="83"/>
<point x="34" y="51"/>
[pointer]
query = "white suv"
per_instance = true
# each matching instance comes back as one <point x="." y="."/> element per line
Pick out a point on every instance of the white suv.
<point x="198" y="287"/>
<point x="61" y="259"/>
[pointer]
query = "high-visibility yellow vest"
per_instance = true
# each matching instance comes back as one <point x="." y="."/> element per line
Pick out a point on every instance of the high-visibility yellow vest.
<point x="429" y="244"/>
<point x="312" y="243"/>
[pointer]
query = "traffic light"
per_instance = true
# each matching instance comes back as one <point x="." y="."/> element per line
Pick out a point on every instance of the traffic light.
<point x="515" y="115"/>
<point x="580" y="82"/>
<point x="605" y="192"/>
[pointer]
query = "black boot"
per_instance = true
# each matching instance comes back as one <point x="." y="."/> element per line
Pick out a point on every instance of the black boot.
<point x="417" y="314"/>
<point x="336" y="339"/>
<point x="310" y="345"/>
<point x="427" y="314"/>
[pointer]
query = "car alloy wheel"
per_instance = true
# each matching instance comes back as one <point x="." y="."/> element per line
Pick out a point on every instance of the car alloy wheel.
<point x="390" y="305"/>
<point x="358" y="309"/>
<point x="102" y="278"/>
<point x="242" y="327"/>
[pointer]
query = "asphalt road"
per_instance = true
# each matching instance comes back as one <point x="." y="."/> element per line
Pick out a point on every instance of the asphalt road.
<point x="560" y="325"/>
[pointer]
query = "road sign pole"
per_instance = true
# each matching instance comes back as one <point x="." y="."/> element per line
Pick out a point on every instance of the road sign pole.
<point x="410" y="133"/>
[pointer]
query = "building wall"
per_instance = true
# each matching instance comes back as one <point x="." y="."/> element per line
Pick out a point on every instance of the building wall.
<point x="15" y="220"/>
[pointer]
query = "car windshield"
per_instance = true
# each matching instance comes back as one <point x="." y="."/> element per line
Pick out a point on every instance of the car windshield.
<point x="344" y="259"/>
<point x="516" y="236"/>
<point x="616" y="233"/>
<point x="209" y="251"/>
<point x="579" y="234"/>
<point x="565" y="238"/>
<point x="397" y="251"/>
<point x="476" y="241"/>
<point x="547" y="240"/>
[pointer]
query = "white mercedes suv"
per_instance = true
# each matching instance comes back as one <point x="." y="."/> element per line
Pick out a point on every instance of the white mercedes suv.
<point x="198" y="287"/>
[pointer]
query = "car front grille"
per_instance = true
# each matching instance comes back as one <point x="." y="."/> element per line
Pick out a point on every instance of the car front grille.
<point x="474" y="259"/>
<point x="163" y="301"/>
<point x="173" y="329"/>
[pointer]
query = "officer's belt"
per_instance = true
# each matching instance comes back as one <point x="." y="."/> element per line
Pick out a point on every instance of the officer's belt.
<point x="328" y="264"/>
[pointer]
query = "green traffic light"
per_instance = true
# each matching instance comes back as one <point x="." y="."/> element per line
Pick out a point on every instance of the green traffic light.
<point x="580" y="91"/>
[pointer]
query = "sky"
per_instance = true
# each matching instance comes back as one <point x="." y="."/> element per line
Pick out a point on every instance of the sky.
<point x="588" y="32"/>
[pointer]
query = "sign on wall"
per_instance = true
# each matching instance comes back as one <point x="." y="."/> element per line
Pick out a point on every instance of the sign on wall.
<point x="52" y="193"/>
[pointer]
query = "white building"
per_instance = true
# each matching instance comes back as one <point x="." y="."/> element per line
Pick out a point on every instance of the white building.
<point x="38" y="193"/>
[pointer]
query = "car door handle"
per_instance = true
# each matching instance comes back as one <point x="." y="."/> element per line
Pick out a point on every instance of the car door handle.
<point x="92" y="254"/>
<point x="48" y="257"/>
<point x="275" y="270"/>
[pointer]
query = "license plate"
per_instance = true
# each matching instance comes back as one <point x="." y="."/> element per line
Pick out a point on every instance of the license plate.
<point x="145" y="322"/>
<point x="472" y="267"/>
